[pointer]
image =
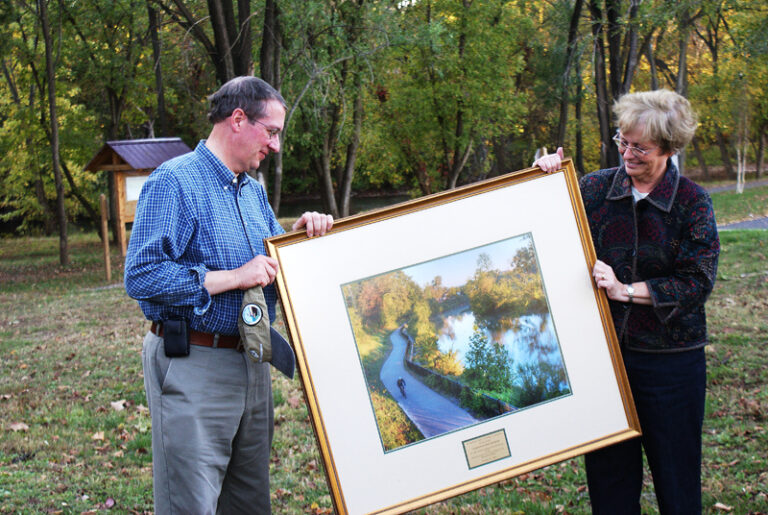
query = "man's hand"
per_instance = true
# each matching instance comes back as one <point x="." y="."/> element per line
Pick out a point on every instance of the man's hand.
<point x="260" y="270"/>
<point x="316" y="223"/>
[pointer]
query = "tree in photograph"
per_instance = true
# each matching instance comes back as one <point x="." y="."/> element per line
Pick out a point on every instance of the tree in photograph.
<point x="488" y="365"/>
<point x="448" y="364"/>
<point x="425" y="349"/>
<point x="498" y="298"/>
<point x="396" y="302"/>
<point x="540" y="382"/>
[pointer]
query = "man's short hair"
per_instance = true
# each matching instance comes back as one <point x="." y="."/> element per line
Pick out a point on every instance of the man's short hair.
<point x="248" y="93"/>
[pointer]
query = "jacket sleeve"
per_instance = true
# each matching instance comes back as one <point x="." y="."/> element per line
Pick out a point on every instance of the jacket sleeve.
<point x="695" y="267"/>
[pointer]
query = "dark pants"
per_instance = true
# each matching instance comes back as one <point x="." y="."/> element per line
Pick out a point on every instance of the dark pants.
<point x="668" y="390"/>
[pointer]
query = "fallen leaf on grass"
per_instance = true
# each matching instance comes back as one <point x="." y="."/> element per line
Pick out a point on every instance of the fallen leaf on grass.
<point x="294" y="402"/>
<point x="118" y="405"/>
<point x="282" y="492"/>
<point x="723" y="507"/>
<point x="99" y="435"/>
<point x="18" y="426"/>
<point x="315" y="509"/>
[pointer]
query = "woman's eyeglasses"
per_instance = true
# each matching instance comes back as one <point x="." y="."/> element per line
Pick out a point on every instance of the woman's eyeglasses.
<point x="624" y="145"/>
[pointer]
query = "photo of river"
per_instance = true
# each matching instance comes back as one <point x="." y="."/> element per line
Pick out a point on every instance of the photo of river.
<point x="531" y="341"/>
<point x="456" y="340"/>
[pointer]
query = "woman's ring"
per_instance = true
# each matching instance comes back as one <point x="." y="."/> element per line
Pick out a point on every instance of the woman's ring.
<point x="602" y="276"/>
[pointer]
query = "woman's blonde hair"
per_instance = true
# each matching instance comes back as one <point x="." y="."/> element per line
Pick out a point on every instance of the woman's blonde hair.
<point x="665" y="117"/>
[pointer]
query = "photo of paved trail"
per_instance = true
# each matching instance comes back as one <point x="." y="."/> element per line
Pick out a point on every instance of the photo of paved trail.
<point x="432" y="413"/>
<point x="470" y="333"/>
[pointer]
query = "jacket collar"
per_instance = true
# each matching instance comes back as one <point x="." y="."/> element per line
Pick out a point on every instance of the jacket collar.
<point x="662" y="196"/>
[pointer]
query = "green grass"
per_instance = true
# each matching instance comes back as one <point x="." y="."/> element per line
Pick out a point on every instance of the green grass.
<point x="734" y="207"/>
<point x="70" y="354"/>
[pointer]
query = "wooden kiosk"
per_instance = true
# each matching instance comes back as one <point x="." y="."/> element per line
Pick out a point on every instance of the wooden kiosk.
<point x="131" y="162"/>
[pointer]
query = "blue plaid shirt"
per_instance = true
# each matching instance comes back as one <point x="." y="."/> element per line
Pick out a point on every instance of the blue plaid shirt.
<point x="195" y="215"/>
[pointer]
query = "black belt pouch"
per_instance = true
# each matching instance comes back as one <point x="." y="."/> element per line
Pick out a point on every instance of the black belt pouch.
<point x="176" y="338"/>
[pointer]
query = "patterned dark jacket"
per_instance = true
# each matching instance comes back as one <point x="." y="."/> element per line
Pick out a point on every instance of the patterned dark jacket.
<point x="669" y="240"/>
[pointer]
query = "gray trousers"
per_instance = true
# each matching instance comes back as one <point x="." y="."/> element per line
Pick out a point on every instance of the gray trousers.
<point x="212" y="424"/>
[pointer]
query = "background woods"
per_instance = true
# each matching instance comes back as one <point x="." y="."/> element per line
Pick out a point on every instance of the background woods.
<point x="409" y="96"/>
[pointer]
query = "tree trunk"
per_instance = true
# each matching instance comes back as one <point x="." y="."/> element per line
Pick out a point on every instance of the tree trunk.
<point x="269" y="66"/>
<point x="681" y="87"/>
<point x="51" y="79"/>
<point x="652" y="65"/>
<point x="579" y="125"/>
<point x="569" y="58"/>
<point x="242" y="41"/>
<point x="700" y="158"/>
<point x="49" y="215"/>
<point x="724" y="154"/>
<point x="156" y="52"/>
<point x="225" y="66"/>
<point x="345" y="186"/>
<point x="91" y="210"/>
<point x="323" y="162"/>
<point x="322" y="167"/>
<point x="760" y="152"/>
<point x="632" y="51"/>
<point x="601" y="88"/>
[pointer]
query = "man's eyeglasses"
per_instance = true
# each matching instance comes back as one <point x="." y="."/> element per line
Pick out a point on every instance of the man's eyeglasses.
<point x="624" y="145"/>
<point x="271" y="132"/>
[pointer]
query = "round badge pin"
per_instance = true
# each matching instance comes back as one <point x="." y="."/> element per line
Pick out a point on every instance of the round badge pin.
<point x="252" y="314"/>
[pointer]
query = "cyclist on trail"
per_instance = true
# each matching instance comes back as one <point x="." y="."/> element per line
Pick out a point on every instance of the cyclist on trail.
<point x="401" y="385"/>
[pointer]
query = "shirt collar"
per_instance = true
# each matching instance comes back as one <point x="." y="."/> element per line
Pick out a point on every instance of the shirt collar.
<point x="220" y="171"/>
<point x="662" y="196"/>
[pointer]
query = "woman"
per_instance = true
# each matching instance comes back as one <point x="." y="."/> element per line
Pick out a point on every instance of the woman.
<point x="656" y="240"/>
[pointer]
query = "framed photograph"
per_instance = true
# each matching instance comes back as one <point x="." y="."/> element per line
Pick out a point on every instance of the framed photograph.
<point x="453" y="341"/>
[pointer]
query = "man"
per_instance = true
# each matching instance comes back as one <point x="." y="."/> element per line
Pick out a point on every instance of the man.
<point x="196" y="244"/>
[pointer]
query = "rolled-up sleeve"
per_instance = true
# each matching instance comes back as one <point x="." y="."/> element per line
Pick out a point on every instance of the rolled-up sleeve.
<point x="156" y="269"/>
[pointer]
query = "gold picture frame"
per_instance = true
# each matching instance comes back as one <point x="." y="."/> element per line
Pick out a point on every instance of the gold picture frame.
<point x="592" y="406"/>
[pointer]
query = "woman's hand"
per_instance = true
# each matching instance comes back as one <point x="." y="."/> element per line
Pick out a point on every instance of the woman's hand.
<point x="616" y="290"/>
<point x="551" y="162"/>
<point x="606" y="279"/>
